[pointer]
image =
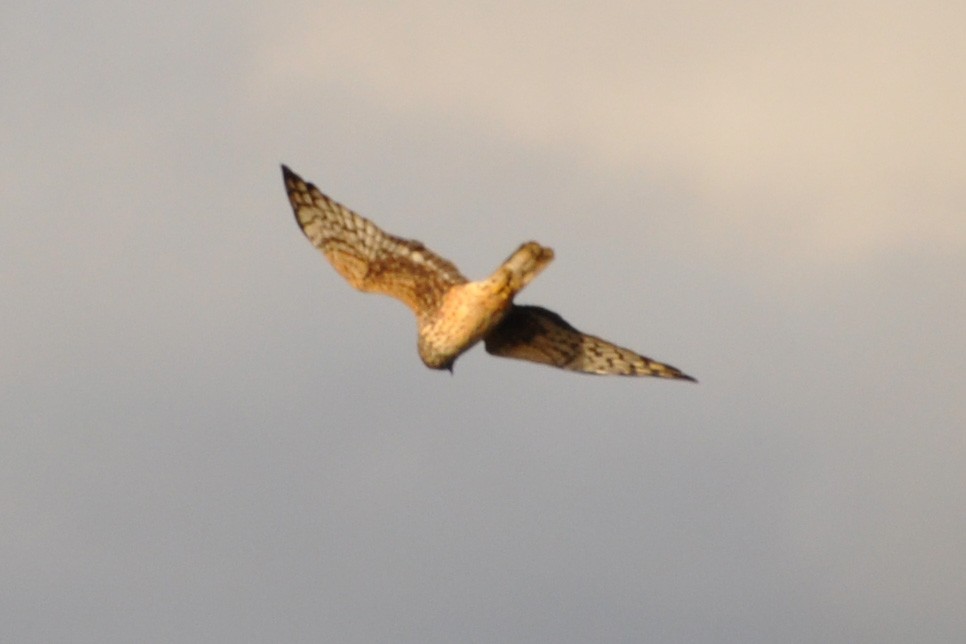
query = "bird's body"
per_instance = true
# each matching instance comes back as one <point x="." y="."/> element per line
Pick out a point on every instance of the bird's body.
<point x="453" y="313"/>
<point x="470" y="311"/>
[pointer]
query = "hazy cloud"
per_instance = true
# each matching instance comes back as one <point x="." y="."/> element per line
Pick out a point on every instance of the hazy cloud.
<point x="826" y="132"/>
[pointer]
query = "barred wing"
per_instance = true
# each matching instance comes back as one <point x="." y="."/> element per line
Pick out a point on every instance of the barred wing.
<point x="538" y="335"/>
<point x="368" y="258"/>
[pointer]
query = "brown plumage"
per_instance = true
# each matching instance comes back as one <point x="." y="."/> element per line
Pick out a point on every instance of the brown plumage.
<point x="452" y="312"/>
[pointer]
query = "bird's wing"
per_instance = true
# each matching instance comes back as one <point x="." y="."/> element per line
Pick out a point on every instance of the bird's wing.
<point x="538" y="335"/>
<point x="366" y="256"/>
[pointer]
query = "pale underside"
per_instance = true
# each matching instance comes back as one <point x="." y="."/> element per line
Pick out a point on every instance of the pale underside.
<point x="452" y="313"/>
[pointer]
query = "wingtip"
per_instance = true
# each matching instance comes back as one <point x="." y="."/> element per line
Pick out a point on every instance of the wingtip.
<point x="676" y="374"/>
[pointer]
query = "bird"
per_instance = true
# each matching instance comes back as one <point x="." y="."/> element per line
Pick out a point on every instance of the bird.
<point x="453" y="313"/>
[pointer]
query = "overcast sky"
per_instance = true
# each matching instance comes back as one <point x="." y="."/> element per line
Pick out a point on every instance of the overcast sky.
<point x="207" y="436"/>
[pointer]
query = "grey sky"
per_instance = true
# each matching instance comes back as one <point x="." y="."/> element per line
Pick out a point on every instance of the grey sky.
<point x="207" y="436"/>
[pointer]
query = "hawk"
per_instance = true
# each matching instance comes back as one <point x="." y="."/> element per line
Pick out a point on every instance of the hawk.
<point x="452" y="312"/>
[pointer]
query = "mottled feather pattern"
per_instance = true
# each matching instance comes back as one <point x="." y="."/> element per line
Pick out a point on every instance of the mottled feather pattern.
<point x="535" y="334"/>
<point x="454" y="314"/>
<point x="369" y="258"/>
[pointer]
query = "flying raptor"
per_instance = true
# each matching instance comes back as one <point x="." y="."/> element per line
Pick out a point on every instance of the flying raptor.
<point x="452" y="312"/>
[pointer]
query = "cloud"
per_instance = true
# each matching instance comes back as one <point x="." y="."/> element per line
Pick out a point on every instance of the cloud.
<point x="827" y="135"/>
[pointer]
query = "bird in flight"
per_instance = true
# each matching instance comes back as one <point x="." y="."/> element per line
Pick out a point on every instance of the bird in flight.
<point x="453" y="313"/>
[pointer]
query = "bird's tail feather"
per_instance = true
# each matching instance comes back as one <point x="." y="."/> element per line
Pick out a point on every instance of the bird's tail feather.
<point x="526" y="263"/>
